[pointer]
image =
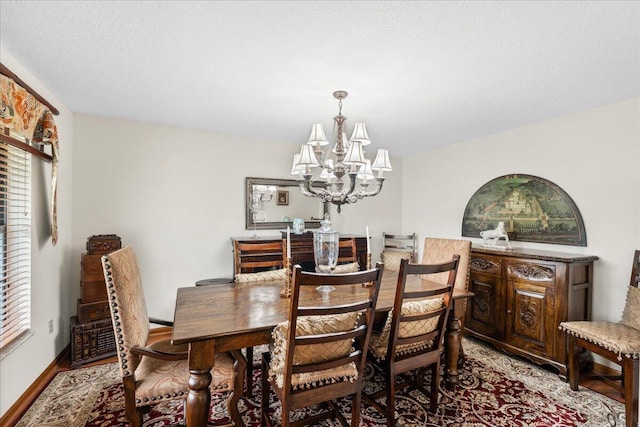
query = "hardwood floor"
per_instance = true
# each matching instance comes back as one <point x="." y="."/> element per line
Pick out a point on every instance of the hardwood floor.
<point x="596" y="383"/>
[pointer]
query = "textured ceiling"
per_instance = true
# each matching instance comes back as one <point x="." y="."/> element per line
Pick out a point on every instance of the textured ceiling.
<point x="419" y="74"/>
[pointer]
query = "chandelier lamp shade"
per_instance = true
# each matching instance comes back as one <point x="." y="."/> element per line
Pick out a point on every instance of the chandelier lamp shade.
<point x="344" y="174"/>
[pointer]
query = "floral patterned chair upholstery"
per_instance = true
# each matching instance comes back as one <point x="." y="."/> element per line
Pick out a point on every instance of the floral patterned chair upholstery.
<point x="160" y="371"/>
<point x="616" y="342"/>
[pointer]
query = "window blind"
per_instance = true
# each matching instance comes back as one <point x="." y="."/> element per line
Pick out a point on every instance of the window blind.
<point x="15" y="243"/>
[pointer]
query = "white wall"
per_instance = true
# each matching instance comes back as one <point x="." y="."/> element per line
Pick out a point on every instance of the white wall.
<point x="52" y="292"/>
<point x="593" y="155"/>
<point x="176" y="196"/>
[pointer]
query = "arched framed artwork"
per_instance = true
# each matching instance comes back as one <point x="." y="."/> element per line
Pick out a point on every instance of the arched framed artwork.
<point x="533" y="209"/>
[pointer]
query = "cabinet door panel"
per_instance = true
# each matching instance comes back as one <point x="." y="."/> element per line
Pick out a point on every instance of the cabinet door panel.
<point x="483" y="315"/>
<point x="530" y="316"/>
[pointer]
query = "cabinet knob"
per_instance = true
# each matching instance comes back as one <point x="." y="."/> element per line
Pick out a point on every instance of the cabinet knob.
<point x="508" y="311"/>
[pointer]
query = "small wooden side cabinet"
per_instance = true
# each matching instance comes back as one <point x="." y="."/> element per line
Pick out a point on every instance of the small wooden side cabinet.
<point x="301" y="248"/>
<point x="522" y="295"/>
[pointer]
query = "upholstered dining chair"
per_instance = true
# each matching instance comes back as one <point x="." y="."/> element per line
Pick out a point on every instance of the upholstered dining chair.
<point x="437" y="250"/>
<point x="396" y="247"/>
<point x="159" y="371"/>
<point x="319" y="354"/>
<point x="413" y="335"/>
<point x="347" y="256"/>
<point x="616" y="342"/>
<point x="256" y="278"/>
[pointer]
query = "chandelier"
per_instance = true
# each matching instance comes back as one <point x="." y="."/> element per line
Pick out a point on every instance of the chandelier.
<point x="342" y="168"/>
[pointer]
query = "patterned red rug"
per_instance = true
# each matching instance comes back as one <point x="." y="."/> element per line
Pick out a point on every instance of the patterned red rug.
<point x="494" y="390"/>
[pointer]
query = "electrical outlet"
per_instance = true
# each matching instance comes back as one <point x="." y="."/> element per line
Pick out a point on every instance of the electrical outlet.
<point x="51" y="326"/>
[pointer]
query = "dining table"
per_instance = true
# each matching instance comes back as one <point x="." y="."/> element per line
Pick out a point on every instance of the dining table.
<point x="231" y="316"/>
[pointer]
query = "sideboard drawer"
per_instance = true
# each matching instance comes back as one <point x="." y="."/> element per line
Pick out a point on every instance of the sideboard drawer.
<point x="531" y="272"/>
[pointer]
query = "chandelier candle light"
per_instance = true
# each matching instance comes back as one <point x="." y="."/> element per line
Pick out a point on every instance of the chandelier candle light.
<point x="287" y="291"/>
<point x="368" y="250"/>
<point x="348" y="162"/>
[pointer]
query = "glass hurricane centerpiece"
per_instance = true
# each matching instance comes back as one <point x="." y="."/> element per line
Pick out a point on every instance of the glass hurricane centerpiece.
<point x="325" y="249"/>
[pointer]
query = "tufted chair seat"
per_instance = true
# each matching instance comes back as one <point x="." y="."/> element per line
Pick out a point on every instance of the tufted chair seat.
<point x="396" y="247"/>
<point x="160" y="371"/>
<point x="392" y="260"/>
<point x="620" y="339"/>
<point x="262" y="276"/>
<point x="616" y="342"/>
<point x="159" y="379"/>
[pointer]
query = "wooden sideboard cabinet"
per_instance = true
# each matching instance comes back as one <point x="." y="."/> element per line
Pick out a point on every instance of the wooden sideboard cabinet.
<point x="522" y="295"/>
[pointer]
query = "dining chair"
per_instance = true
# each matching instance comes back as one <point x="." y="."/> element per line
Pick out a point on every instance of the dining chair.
<point x="396" y="247"/>
<point x="153" y="373"/>
<point x="616" y="342"/>
<point x="347" y="256"/>
<point x="256" y="278"/>
<point x="413" y="335"/>
<point x="319" y="353"/>
<point x="251" y="257"/>
<point x="437" y="250"/>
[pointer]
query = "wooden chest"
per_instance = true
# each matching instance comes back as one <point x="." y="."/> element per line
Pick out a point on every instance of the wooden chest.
<point x="91" y="341"/>
<point x="92" y="279"/>
<point x="91" y="311"/>
<point x="103" y="243"/>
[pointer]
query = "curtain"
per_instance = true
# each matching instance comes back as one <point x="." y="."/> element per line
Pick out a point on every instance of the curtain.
<point x="23" y="114"/>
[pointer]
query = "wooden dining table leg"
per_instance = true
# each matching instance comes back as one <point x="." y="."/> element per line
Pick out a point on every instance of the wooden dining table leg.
<point x="453" y="343"/>
<point x="201" y="360"/>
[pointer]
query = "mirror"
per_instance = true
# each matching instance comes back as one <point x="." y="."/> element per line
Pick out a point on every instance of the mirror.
<point x="274" y="203"/>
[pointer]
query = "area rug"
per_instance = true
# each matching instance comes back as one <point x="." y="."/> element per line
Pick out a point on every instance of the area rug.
<point x="493" y="390"/>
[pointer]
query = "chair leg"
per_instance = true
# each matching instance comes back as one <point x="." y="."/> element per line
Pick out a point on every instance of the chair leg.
<point x="435" y="382"/>
<point x="420" y="377"/>
<point x="264" y="403"/>
<point x="574" y="368"/>
<point x="249" y="374"/>
<point x="286" y="422"/>
<point x="133" y="413"/>
<point x="631" y="370"/>
<point x="355" y="408"/>
<point x="391" y="405"/>
<point x="232" y="403"/>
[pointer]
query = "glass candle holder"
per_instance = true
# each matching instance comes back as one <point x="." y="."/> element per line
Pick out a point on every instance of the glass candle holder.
<point x="325" y="248"/>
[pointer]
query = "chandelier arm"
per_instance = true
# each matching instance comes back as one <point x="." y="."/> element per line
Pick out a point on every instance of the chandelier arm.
<point x="362" y="193"/>
<point x="352" y="183"/>
<point x="377" y="190"/>
<point x="313" y="192"/>
<point x="303" y="190"/>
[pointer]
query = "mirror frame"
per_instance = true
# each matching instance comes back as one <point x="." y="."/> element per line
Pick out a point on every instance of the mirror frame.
<point x="275" y="225"/>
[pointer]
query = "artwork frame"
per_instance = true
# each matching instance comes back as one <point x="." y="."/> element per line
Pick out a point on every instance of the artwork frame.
<point x="532" y="208"/>
<point x="282" y="198"/>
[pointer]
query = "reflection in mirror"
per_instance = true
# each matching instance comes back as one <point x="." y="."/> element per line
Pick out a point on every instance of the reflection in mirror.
<point x="274" y="203"/>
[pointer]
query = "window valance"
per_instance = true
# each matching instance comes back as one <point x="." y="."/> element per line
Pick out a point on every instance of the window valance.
<point x="22" y="114"/>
